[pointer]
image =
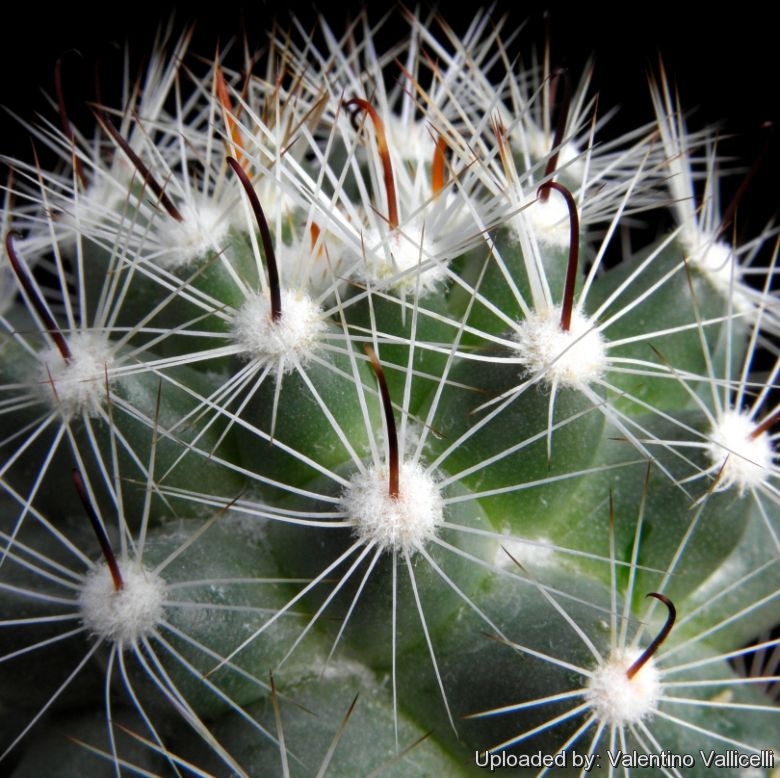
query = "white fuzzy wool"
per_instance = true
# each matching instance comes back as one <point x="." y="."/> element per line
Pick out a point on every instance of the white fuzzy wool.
<point x="531" y="553"/>
<point x="618" y="701"/>
<point x="77" y="386"/>
<point x="88" y="210"/>
<point x="127" y="615"/>
<point x="549" y="220"/>
<point x="283" y="344"/>
<point x="571" y="161"/>
<point x="403" y="524"/>
<point x="390" y="261"/>
<point x="572" y="358"/>
<point x="740" y="459"/>
<point x="200" y="233"/>
<point x="717" y="260"/>
<point x="321" y="268"/>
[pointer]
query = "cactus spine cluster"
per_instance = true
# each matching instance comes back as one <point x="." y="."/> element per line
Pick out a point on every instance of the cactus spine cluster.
<point x="336" y="440"/>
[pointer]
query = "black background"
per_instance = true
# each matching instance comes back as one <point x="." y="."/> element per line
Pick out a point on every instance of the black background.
<point x="726" y="67"/>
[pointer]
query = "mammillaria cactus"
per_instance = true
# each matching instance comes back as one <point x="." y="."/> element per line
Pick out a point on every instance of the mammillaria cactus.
<point x="356" y="423"/>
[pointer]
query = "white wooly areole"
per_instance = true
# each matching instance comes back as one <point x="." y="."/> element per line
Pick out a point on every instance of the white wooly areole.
<point x="740" y="458"/>
<point x="127" y="615"/>
<point x="703" y="226"/>
<point x="619" y="701"/>
<point x="400" y="524"/>
<point x="284" y="344"/>
<point x="414" y="174"/>
<point x="201" y="231"/>
<point x="574" y="358"/>
<point x="79" y="384"/>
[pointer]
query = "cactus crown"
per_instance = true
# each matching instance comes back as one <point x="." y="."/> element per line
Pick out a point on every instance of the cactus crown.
<point x="376" y="453"/>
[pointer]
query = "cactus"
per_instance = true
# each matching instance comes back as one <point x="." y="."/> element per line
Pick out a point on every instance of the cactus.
<point x="345" y="432"/>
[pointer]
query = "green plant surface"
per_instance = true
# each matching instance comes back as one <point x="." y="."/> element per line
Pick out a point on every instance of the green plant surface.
<point x="346" y="433"/>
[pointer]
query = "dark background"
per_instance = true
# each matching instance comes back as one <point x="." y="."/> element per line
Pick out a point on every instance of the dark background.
<point x="726" y="68"/>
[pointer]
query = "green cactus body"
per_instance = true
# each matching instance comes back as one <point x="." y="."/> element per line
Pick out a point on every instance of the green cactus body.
<point x="382" y="457"/>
